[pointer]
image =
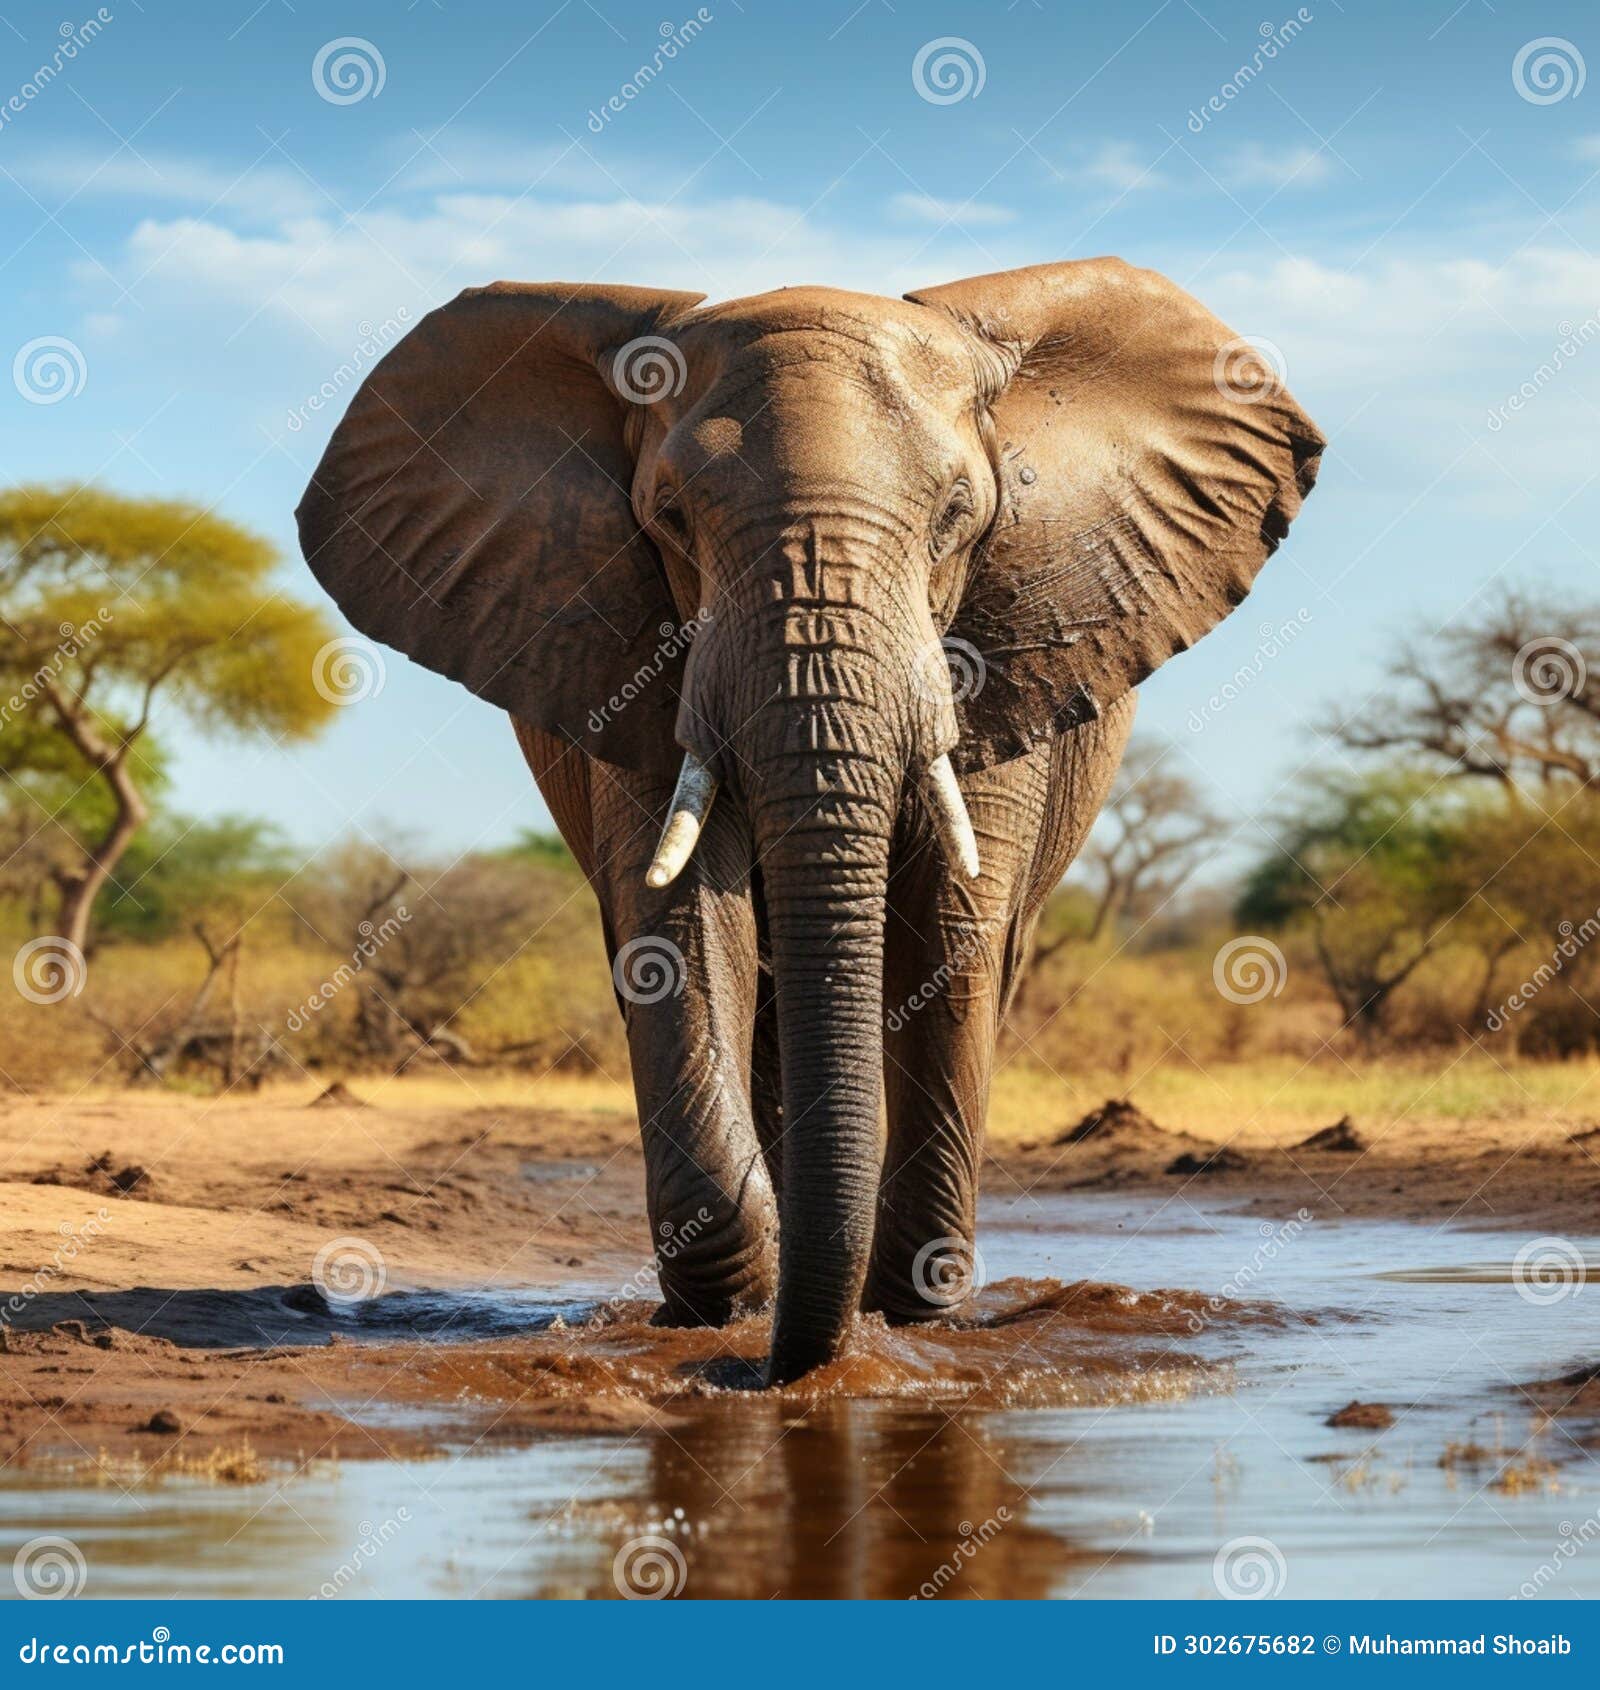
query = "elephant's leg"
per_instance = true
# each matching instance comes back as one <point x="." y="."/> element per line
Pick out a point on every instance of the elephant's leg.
<point x="955" y="950"/>
<point x="684" y="966"/>
<point x="944" y="974"/>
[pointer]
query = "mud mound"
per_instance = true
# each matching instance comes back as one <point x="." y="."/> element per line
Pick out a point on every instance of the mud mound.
<point x="1576" y="1393"/>
<point x="66" y="1336"/>
<point x="1118" y="1144"/>
<point x="1362" y="1416"/>
<point x="101" y="1176"/>
<point x="1119" y="1122"/>
<point x="337" y="1096"/>
<point x="1206" y="1163"/>
<point x="1341" y="1139"/>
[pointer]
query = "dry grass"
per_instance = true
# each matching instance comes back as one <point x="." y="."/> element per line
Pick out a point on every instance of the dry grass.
<point x="1519" y="1472"/>
<point x="222" y="1464"/>
<point x="1271" y="1099"/>
<point x="1152" y="1026"/>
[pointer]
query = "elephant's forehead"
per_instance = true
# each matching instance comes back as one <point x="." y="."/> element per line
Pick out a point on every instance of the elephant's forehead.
<point x="796" y="325"/>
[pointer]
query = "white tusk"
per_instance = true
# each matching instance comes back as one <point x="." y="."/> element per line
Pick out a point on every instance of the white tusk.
<point x="691" y="799"/>
<point x="950" y="816"/>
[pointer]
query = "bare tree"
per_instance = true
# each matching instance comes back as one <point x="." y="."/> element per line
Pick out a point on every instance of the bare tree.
<point x="1150" y="837"/>
<point x="1508" y="696"/>
<point x="420" y="941"/>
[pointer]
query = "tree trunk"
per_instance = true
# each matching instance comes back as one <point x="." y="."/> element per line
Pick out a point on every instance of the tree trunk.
<point x="82" y="885"/>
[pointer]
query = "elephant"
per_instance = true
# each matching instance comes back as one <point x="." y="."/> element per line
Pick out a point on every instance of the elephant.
<point x="818" y="616"/>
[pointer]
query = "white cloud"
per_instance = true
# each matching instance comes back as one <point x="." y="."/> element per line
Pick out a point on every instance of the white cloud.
<point x="323" y="274"/>
<point x="1116" y="164"/>
<point x="263" y="192"/>
<point x="1418" y="343"/>
<point x="1288" y="167"/>
<point x="975" y="214"/>
<point x="1404" y="361"/>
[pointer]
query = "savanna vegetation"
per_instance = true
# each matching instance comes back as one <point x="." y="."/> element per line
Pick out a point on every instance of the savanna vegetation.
<point x="1436" y="889"/>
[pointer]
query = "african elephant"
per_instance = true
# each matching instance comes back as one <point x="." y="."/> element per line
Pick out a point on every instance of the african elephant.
<point x="723" y="553"/>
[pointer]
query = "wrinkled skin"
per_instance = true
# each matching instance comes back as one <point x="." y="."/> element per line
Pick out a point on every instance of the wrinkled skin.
<point x="1059" y="472"/>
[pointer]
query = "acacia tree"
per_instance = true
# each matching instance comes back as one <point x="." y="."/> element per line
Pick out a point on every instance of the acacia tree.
<point x="1380" y="869"/>
<point x="108" y="605"/>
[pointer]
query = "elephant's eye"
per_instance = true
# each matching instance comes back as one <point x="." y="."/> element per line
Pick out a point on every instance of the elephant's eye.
<point x="670" y="520"/>
<point x="953" y="514"/>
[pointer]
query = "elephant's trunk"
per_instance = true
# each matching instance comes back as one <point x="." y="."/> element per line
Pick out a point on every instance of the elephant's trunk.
<point x="822" y="822"/>
<point x="810" y="695"/>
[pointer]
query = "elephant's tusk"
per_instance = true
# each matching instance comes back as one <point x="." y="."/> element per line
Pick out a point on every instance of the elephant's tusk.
<point x="691" y="799"/>
<point x="950" y="816"/>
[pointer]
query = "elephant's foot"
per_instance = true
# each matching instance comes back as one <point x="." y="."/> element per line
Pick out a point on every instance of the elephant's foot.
<point x="713" y="1306"/>
<point x="714" y="1253"/>
<point x="921" y="1274"/>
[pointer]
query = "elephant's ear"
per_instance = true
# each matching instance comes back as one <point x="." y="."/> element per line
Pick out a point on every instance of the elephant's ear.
<point x="473" y="510"/>
<point x="1149" y="462"/>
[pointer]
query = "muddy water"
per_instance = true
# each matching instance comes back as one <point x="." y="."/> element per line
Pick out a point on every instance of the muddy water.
<point x="1064" y="1444"/>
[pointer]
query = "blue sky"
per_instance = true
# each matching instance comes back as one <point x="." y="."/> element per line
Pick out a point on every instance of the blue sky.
<point x="1381" y="203"/>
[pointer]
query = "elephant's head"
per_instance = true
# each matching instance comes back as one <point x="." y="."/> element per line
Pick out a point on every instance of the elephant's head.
<point x="1074" y="469"/>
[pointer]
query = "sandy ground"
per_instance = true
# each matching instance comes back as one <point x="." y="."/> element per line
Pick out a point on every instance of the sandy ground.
<point x="157" y="1251"/>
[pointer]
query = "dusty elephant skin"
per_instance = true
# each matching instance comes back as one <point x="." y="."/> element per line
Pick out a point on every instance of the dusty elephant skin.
<point x="706" y="558"/>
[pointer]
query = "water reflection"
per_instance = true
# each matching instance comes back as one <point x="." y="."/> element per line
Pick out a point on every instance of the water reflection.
<point x="856" y="1500"/>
